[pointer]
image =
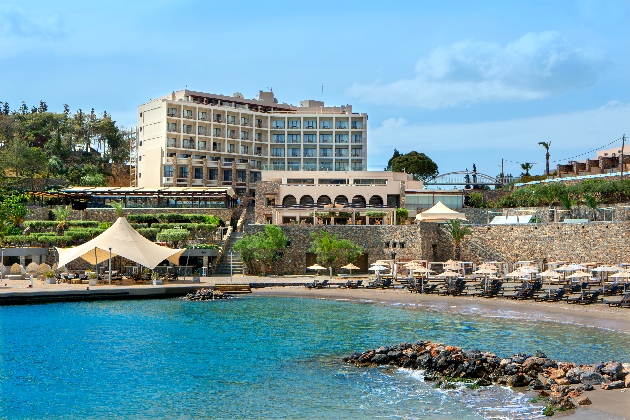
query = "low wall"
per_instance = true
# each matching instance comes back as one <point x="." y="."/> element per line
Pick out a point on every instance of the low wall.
<point x="603" y="242"/>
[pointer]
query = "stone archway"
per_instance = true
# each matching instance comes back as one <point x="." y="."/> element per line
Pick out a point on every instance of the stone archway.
<point x="376" y="200"/>
<point x="323" y="200"/>
<point x="289" y="201"/>
<point x="358" y="200"/>
<point x="306" y="200"/>
<point x="341" y="199"/>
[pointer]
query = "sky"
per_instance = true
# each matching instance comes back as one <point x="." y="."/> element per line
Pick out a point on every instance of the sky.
<point x="462" y="82"/>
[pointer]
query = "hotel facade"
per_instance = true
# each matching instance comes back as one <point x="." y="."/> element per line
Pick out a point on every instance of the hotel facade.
<point x="195" y="139"/>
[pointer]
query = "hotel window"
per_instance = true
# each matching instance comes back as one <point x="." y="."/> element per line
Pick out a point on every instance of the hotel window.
<point x="172" y="127"/>
<point x="310" y="152"/>
<point x="168" y="171"/>
<point x="357" y="124"/>
<point x="294" y="123"/>
<point x="342" y="124"/>
<point x="231" y="119"/>
<point x="293" y="166"/>
<point x="217" y="132"/>
<point x="171" y="142"/>
<point x="188" y="144"/>
<point x="198" y="173"/>
<point x="294" y="138"/>
<point x="231" y="148"/>
<point x="357" y="138"/>
<point x="341" y="138"/>
<point x="341" y="153"/>
<point x="187" y="113"/>
<point x="202" y="145"/>
<point x="216" y="118"/>
<point x="203" y="116"/>
<point x="294" y="152"/>
<point x="277" y="138"/>
<point x="325" y="138"/>
<point x="357" y="152"/>
<point x="278" y="124"/>
<point x="256" y="176"/>
<point x="241" y="176"/>
<point x="277" y="152"/>
<point x="188" y="128"/>
<point x="172" y="112"/>
<point x="213" y="174"/>
<point x="259" y="123"/>
<point x="183" y="172"/>
<point x="244" y="135"/>
<point x="311" y="124"/>
<point x="325" y="166"/>
<point x="258" y="137"/>
<point x="341" y="166"/>
<point x="244" y="120"/>
<point x="216" y="147"/>
<point x="325" y="152"/>
<point x="201" y="130"/>
<point x="310" y="138"/>
<point x="227" y="175"/>
<point x="244" y="150"/>
<point x="325" y="125"/>
<point x="231" y="134"/>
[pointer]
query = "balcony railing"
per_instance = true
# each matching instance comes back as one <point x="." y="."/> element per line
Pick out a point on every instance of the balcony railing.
<point x="310" y="155"/>
<point x="341" y="155"/>
<point x="217" y="120"/>
<point x="357" y="126"/>
<point x="189" y="116"/>
<point x="355" y="141"/>
<point x="173" y="130"/>
<point x="357" y="154"/>
<point x="172" y="114"/>
<point x="341" y="126"/>
<point x="259" y="125"/>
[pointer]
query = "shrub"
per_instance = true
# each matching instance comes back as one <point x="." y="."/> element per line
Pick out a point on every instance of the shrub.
<point x="172" y="218"/>
<point x="104" y="225"/>
<point x="83" y="223"/>
<point x="188" y="226"/>
<point x="16" y="269"/>
<point x="54" y="240"/>
<point x="402" y="214"/>
<point x="375" y="213"/>
<point x="475" y="199"/>
<point x="142" y="218"/>
<point x="139" y="225"/>
<point x="205" y="246"/>
<point x="173" y="235"/>
<point x="149" y="233"/>
<point x="85" y="233"/>
<point x="196" y="218"/>
<point x="40" y="224"/>
<point x="212" y="220"/>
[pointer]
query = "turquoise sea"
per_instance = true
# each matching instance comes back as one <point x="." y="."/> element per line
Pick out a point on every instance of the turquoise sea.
<point x="257" y="357"/>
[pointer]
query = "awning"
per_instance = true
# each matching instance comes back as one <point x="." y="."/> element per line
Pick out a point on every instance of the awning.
<point x="123" y="240"/>
<point x="439" y="213"/>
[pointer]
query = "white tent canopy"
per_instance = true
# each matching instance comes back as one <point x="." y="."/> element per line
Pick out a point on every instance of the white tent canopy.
<point x="439" y="213"/>
<point x="123" y="240"/>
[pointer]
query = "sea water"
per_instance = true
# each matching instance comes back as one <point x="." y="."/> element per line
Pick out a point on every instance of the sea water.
<point x="258" y="357"/>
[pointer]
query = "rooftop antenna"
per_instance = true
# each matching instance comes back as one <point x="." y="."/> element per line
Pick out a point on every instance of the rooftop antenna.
<point x="270" y="89"/>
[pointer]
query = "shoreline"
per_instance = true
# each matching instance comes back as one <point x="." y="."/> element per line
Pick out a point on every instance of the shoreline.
<point x="606" y="404"/>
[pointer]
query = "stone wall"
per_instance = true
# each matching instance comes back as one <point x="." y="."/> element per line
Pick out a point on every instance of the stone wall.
<point x="602" y="242"/>
<point x="264" y="188"/>
<point x="373" y="238"/>
<point x="544" y="214"/>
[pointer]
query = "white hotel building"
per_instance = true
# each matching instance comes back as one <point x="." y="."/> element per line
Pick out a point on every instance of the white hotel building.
<point x="199" y="139"/>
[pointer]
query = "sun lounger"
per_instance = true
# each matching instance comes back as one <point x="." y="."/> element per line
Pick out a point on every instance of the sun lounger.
<point x="585" y="298"/>
<point x="624" y="302"/>
<point x="346" y="284"/>
<point x="552" y="296"/>
<point x="612" y="289"/>
<point x="493" y="289"/>
<point x="312" y="285"/>
<point x="459" y="289"/>
<point x="355" y="285"/>
<point x="322" y="284"/>
<point x="520" y="290"/>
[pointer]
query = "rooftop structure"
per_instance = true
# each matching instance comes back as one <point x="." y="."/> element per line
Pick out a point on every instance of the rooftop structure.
<point x="191" y="138"/>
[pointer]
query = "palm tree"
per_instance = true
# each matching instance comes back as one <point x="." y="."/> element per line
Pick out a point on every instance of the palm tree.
<point x="591" y="202"/>
<point x="526" y="167"/>
<point x="546" y="145"/>
<point x="457" y="232"/>
<point x="62" y="214"/>
<point x="118" y="206"/>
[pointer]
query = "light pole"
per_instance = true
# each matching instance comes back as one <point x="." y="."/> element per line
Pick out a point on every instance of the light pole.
<point x="110" y="266"/>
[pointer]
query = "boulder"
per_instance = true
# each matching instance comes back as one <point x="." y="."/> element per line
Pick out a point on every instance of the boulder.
<point x="536" y="384"/>
<point x="584" y="401"/>
<point x="612" y="370"/>
<point x="574" y="375"/>
<point x="382" y="350"/>
<point x="563" y="381"/>
<point x="626" y="381"/>
<point x="591" y="377"/>
<point x="613" y="385"/>
<point x="516" y="380"/>
<point x="380" y="359"/>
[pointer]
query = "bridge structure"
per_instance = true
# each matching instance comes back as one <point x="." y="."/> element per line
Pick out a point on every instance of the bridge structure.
<point x="470" y="178"/>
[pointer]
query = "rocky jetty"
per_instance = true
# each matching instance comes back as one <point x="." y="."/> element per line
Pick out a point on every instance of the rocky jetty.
<point x="557" y="383"/>
<point x="207" y="294"/>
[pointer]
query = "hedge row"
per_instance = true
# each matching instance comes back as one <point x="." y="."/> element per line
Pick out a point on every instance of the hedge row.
<point x="188" y="226"/>
<point x="48" y="224"/>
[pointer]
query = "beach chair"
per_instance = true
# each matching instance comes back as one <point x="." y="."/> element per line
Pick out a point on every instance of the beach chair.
<point x="356" y="285"/>
<point x="624" y="302"/>
<point x="312" y="285"/>
<point x="519" y="291"/>
<point x="459" y="289"/>
<point x="386" y="283"/>
<point x="552" y="296"/>
<point x="493" y="289"/>
<point x="345" y="285"/>
<point x="612" y="289"/>
<point x="322" y="284"/>
<point x="585" y="298"/>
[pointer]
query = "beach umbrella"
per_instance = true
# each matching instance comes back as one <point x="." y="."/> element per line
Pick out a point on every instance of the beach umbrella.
<point x="350" y="267"/>
<point x="448" y="274"/>
<point x="579" y="274"/>
<point x="621" y="274"/>
<point x="549" y="273"/>
<point x="517" y="273"/>
<point x="377" y="268"/>
<point x="315" y="267"/>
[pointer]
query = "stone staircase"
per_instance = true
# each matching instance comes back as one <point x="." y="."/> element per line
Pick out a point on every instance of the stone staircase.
<point x="223" y="267"/>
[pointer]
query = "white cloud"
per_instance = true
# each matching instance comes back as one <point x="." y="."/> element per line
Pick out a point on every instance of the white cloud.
<point x="535" y="66"/>
<point x="570" y="133"/>
<point x="14" y="22"/>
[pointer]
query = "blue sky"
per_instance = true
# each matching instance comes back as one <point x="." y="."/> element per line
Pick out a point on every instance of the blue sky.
<point x="463" y="82"/>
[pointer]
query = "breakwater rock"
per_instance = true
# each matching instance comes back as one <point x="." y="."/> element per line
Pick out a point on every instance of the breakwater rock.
<point x="207" y="294"/>
<point x="557" y="383"/>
